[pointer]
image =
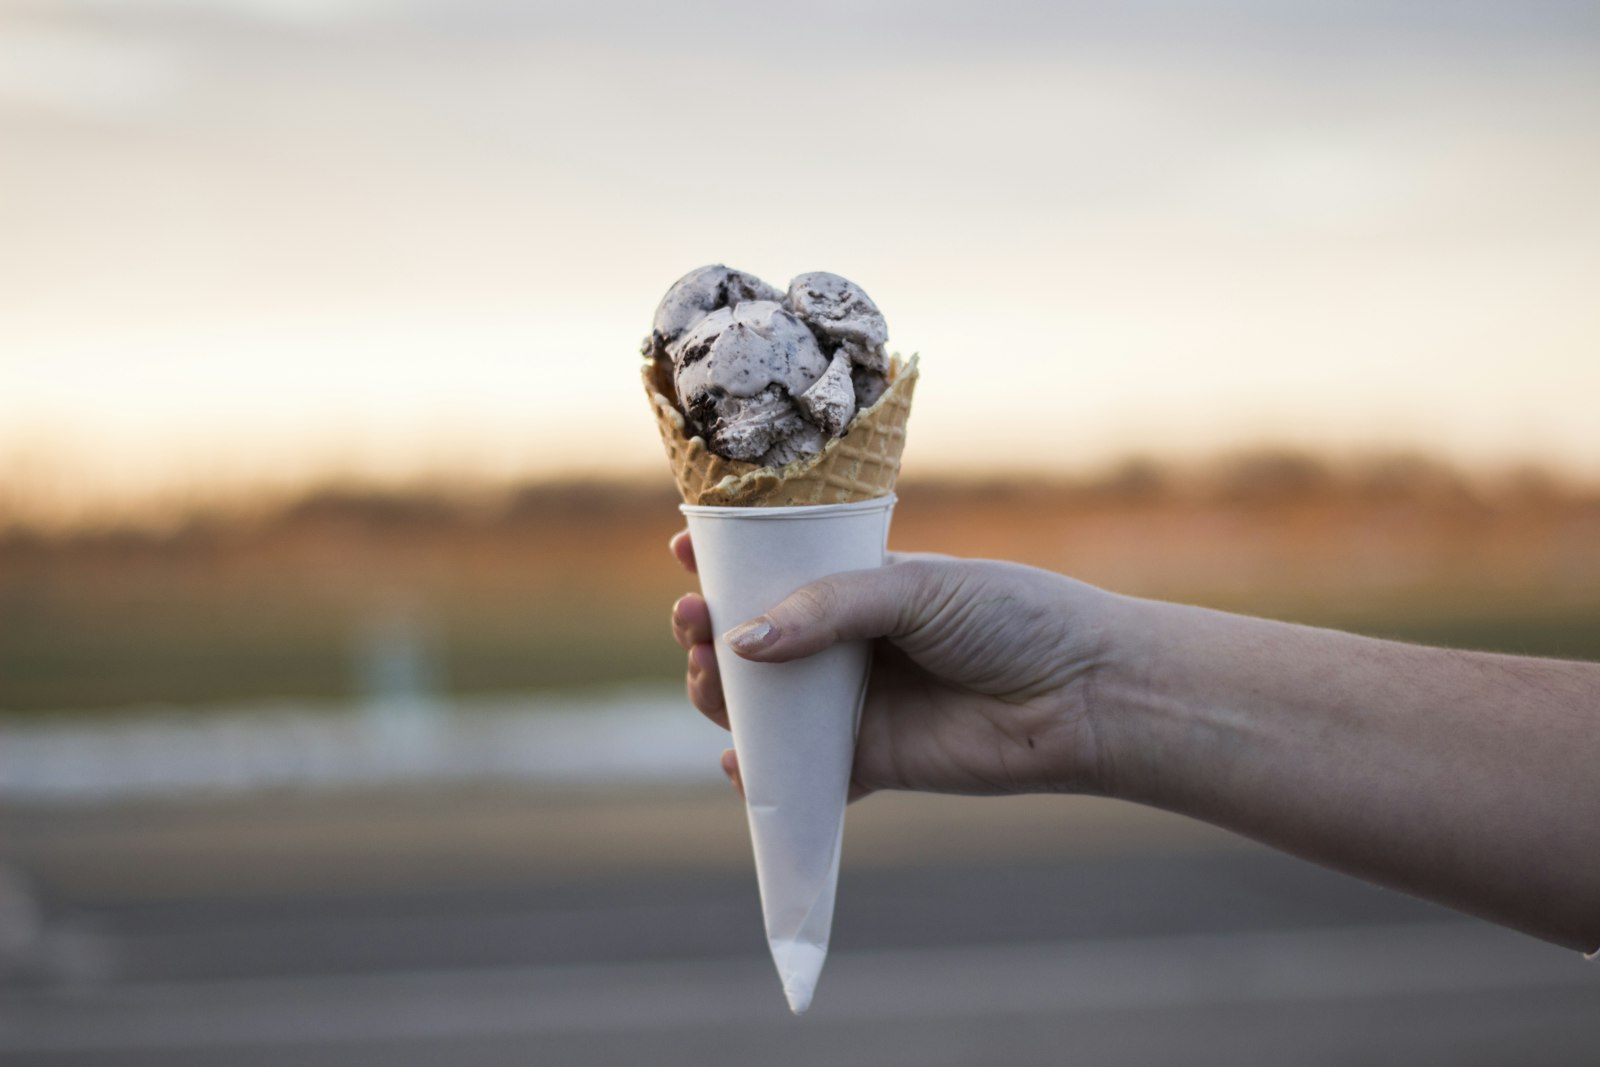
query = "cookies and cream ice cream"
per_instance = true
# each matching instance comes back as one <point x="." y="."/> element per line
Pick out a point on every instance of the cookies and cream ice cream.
<point x="767" y="377"/>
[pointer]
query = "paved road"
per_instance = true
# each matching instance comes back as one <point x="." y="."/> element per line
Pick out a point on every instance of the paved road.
<point x="1202" y="954"/>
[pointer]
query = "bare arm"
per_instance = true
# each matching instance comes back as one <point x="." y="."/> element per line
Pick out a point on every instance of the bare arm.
<point x="1468" y="778"/>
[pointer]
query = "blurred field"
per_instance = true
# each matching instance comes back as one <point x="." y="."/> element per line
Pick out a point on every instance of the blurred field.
<point x="565" y="585"/>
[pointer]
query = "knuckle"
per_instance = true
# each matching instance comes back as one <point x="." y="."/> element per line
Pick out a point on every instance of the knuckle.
<point x="815" y="603"/>
<point x="921" y="582"/>
<point x="920" y="576"/>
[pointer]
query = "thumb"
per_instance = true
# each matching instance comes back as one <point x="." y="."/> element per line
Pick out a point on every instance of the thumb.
<point x="849" y="606"/>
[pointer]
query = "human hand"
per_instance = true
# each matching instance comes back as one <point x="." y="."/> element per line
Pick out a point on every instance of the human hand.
<point x="982" y="672"/>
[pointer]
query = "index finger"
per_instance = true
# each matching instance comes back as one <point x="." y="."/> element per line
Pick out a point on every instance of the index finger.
<point x="683" y="550"/>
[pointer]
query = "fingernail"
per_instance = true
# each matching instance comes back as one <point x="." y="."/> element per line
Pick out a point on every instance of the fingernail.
<point x="749" y="636"/>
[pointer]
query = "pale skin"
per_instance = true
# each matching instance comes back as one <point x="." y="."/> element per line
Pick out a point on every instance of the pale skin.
<point x="1467" y="778"/>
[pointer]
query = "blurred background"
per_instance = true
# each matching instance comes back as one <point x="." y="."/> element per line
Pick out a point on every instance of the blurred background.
<point x="339" y="719"/>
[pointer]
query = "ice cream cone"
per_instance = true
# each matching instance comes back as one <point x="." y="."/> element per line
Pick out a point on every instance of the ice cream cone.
<point x="861" y="465"/>
<point x="794" y="724"/>
<point x="760" y="533"/>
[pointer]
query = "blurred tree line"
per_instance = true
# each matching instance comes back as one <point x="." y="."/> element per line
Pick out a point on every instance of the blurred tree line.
<point x="566" y="583"/>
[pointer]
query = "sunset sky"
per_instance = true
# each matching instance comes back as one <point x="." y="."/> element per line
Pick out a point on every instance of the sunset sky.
<point x="244" y="243"/>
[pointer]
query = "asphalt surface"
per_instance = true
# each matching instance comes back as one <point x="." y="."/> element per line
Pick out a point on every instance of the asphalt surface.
<point x="1153" y="945"/>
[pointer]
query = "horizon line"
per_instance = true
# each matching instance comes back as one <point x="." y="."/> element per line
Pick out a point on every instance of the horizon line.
<point x="1204" y="471"/>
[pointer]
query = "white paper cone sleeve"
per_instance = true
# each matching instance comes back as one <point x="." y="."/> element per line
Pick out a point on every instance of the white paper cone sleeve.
<point x="794" y="724"/>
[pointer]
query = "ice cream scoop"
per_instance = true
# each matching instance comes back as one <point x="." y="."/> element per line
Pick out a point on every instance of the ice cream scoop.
<point x="766" y="377"/>
<point x="738" y="372"/>
<point x="698" y="293"/>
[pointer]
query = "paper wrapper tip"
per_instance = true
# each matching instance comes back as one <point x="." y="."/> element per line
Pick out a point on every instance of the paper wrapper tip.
<point x="801" y="967"/>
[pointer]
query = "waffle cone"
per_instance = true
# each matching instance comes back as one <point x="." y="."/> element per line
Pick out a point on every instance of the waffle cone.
<point x="861" y="465"/>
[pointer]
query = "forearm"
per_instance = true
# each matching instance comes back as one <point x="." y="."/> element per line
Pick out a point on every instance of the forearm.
<point x="1470" y="779"/>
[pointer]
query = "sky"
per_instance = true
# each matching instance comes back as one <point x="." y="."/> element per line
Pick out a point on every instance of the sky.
<point x="250" y="243"/>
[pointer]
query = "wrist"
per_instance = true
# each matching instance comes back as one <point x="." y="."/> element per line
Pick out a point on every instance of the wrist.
<point x="1132" y="711"/>
<point x="1099" y="674"/>
<point x="1182" y="703"/>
